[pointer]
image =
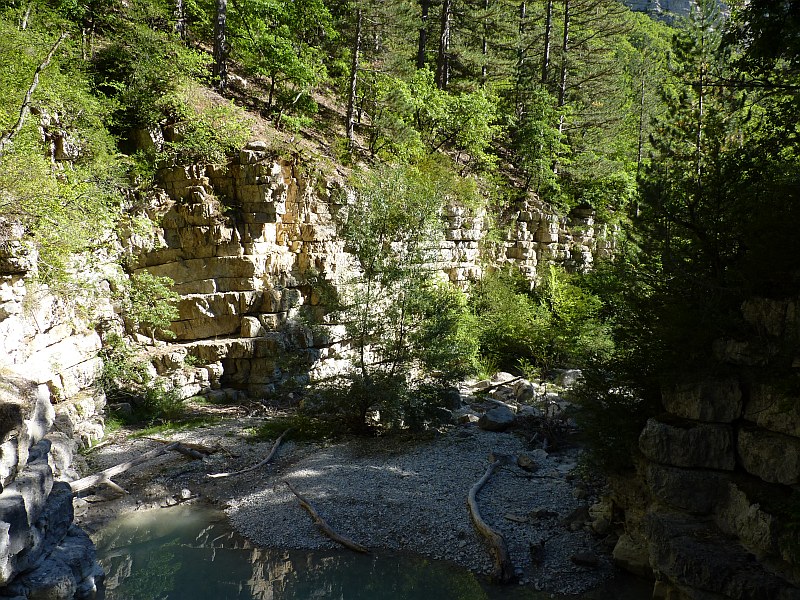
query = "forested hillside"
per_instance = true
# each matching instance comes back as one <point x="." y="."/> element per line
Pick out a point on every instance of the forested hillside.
<point x="601" y="190"/>
<point x="684" y="135"/>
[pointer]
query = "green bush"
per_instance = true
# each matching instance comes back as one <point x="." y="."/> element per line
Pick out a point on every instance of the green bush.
<point x="556" y="324"/>
<point x="202" y="134"/>
<point x="149" y="303"/>
<point x="125" y="377"/>
<point x="138" y="69"/>
<point x="409" y="330"/>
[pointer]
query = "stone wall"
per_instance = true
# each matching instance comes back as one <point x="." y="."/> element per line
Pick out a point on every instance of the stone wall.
<point x="249" y="244"/>
<point x="714" y="511"/>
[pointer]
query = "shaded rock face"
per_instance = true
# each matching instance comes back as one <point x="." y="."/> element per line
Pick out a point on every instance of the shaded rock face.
<point x="718" y="475"/>
<point x="42" y="554"/>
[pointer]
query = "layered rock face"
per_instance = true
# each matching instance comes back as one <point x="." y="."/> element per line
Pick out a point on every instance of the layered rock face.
<point x="253" y="246"/>
<point x="42" y="553"/>
<point x="48" y="405"/>
<point x="715" y="510"/>
<point x="46" y="340"/>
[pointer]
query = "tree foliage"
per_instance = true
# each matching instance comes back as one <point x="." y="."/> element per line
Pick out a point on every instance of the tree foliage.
<point x="406" y="326"/>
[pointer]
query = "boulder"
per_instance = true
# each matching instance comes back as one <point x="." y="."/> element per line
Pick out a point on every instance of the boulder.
<point x="741" y="518"/>
<point x="26" y="416"/>
<point x="567" y="377"/>
<point x="499" y="418"/>
<point x="689" y="445"/>
<point x="632" y="556"/>
<point x="694" y="491"/>
<point x="717" y="401"/>
<point x="774" y="410"/>
<point x="692" y="554"/>
<point x="773" y="457"/>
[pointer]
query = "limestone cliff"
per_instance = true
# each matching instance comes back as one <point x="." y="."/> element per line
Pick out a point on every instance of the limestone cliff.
<point x="249" y="244"/>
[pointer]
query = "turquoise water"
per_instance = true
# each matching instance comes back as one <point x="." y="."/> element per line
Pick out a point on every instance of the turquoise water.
<point x="190" y="553"/>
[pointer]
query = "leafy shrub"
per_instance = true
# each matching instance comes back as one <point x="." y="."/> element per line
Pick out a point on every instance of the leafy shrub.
<point x="139" y="69"/>
<point x="408" y="329"/>
<point x="149" y="302"/>
<point x="202" y="134"/>
<point x="556" y="324"/>
<point x="126" y="378"/>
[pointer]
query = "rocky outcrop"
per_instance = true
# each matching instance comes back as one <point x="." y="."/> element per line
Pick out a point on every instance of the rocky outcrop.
<point x="664" y="10"/>
<point x="48" y="405"/>
<point x="253" y="250"/>
<point x="719" y="473"/>
<point x="42" y="554"/>
<point x="50" y="341"/>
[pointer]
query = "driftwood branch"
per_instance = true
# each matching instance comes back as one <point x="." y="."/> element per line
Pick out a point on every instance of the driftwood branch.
<point x="104" y="477"/>
<point x="323" y="525"/>
<point x="489" y="388"/>
<point x="25" y="109"/>
<point x="503" y="570"/>
<point x="256" y="466"/>
<point x="192" y="450"/>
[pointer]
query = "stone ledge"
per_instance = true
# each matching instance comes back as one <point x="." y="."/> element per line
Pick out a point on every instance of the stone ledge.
<point x="692" y="445"/>
<point x="717" y="401"/>
<point x="773" y="457"/>
<point x="698" y="559"/>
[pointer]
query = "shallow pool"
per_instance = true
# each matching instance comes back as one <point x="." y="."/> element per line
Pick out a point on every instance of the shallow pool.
<point x="191" y="553"/>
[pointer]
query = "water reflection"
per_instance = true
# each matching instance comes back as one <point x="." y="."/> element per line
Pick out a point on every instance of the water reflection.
<point x="190" y="553"/>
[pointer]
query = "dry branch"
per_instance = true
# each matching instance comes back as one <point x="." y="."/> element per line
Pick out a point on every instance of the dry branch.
<point x="503" y="570"/>
<point x="254" y="467"/>
<point x="192" y="450"/>
<point x="104" y="477"/>
<point x="26" y="103"/>
<point x="323" y="525"/>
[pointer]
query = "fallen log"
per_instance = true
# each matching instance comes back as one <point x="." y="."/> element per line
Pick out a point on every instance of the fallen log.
<point x="323" y="525"/>
<point x="503" y="569"/>
<point x="194" y="451"/>
<point x="256" y="466"/>
<point x="104" y="477"/>
<point x="200" y="448"/>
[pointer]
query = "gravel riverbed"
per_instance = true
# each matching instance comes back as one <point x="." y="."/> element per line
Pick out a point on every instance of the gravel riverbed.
<point x="393" y="493"/>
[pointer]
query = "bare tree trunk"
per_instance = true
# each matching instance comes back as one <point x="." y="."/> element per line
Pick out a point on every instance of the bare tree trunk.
<point x="24" y="24"/>
<point x="220" y="70"/>
<point x="548" y="31"/>
<point x="523" y="15"/>
<point x="423" y="33"/>
<point x="485" y="43"/>
<point x="180" y="19"/>
<point x="351" y="98"/>
<point x="562" y="81"/>
<point x="640" y="146"/>
<point x="25" y="109"/>
<point x="443" y="61"/>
